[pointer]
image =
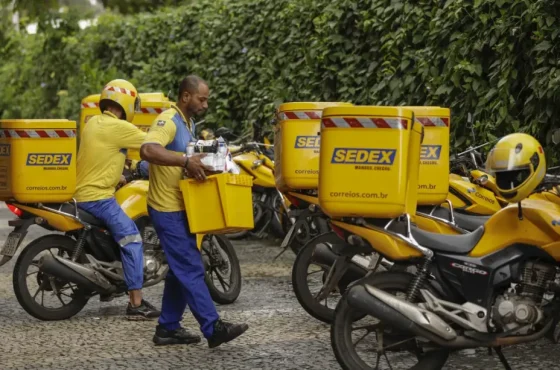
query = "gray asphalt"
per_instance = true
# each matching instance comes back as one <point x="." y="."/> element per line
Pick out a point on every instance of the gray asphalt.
<point x="281" y="334"/>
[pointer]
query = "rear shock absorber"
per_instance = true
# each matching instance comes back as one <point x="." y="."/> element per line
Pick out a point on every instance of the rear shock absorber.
<point x="418" y="281"/>
<point x="79" y="245"/>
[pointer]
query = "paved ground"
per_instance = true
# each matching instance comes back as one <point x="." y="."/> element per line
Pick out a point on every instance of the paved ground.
<point x="281" y="334"/>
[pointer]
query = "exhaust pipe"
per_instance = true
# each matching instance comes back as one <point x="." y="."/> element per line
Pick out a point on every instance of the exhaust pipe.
<point x="324" y="255"/>
<point x="403" y="315"/>
<point x="410" y="318"/>
<point x="75" y="273"/>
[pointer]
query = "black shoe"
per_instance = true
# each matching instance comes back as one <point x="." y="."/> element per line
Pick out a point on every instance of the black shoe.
<point x="225" y="332"/>
<point x="180" y="336"/>
<point x="144" y="311"/>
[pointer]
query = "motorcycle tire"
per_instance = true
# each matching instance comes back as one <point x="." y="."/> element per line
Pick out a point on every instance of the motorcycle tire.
<point x="300" y="282"/>
<point x="341" y="328"/>
<point x="20" y="275"/>
<point x="322" y="227"/>
<point x="231" y="293"/>
<point x="277" y="223"/>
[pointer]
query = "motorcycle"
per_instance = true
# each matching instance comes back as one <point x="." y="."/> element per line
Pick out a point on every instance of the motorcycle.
<point x="85" y="261"/>
<point x="341" y="258"/>
<point x="493" y="287"/>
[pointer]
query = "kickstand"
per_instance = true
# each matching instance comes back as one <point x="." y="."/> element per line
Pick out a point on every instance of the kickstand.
<point x="502" y="358"/>
<point x="281" y="252"/>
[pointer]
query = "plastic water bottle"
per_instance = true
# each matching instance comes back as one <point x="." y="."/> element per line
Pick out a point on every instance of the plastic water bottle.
<point x="190" y="149"/>
<point x="222" y="152"/>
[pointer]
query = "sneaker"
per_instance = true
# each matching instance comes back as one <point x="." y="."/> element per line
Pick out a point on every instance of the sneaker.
<point x="225" y="332"/>
<point x="144" y="311"/>
<point x="180" y="336"/>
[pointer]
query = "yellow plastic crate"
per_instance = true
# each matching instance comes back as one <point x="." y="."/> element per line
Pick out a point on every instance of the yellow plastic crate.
<point x="296" y="144"/>
<point x="433" y="181"/>
<point x="369" y="159"/>
<point x="220" y="205"/>
<point x="152" y="104"/>
<point x="37" y="160"/>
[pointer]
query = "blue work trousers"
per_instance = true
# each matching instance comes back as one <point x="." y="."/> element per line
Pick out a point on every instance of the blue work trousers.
<point x="184" y="283"/>
<point x="125" y="233"/>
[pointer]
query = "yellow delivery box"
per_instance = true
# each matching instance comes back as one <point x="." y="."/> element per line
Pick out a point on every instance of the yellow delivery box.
<point x="151" y="105"/>
<point x="297" y="141"/>
<point x="433" y="181"/>
<point x="369" y="161"/>
<point x="37" y="160"/>
<point x="222" y="204"/>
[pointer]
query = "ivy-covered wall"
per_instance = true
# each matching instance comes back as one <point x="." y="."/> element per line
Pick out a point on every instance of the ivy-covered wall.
<point x="498" y="59"/>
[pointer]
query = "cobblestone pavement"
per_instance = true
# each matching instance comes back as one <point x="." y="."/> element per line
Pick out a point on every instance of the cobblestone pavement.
<point x="281" y="335"/>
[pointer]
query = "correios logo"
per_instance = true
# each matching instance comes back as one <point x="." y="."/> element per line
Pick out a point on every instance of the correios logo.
<point x="364" y="156"/>
<point x="308" y="142"/>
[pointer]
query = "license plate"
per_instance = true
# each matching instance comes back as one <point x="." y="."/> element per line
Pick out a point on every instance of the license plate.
<point x="11" y="244"/>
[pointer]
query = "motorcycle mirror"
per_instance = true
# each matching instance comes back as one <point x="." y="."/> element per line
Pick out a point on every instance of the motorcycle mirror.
<point x="223" y="131"/>
<point x="556" y="136"/>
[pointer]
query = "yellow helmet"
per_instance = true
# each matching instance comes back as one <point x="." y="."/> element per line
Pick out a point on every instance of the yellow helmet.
<point x="124" y="94"/>
<point x="518" y="163"/>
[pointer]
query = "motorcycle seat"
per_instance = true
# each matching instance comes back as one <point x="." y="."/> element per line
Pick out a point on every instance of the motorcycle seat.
<point x="464" y="221"/>
<point x="456" y="244"/>
<point x="71" y="209"/>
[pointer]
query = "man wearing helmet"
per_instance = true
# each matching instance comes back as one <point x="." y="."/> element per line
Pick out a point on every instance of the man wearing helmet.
<point x="164" y="148"/>
<point x="101" y="157"/>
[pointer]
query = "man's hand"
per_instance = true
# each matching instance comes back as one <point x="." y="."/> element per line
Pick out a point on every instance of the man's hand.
<point x="122" y="181"/>
<point x="195" y="167"/>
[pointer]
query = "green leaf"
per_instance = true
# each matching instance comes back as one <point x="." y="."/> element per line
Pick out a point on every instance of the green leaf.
<point x="543" y="46"/>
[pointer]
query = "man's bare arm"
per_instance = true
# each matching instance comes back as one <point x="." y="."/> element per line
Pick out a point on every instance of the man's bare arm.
<point x="157" y="154"/>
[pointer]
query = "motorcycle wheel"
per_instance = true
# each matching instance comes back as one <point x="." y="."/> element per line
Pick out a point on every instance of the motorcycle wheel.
<point x="344" y="325"/>
<point x="315" y="227"/>
<point x="74" y="298"/>
<point x="257" y="217"/>
<point x="301" y="284"/>
<point x="222" y="269"/>
<point x="278" y="220"/>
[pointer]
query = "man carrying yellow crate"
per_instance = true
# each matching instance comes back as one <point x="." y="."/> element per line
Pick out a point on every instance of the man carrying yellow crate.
<point x="165" y="149"/>
<point x="101" y="158"/>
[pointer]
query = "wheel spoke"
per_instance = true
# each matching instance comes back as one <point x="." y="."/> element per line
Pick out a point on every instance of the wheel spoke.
<point x="388" y="362"/>
<point x="31" y="273"/>
<point x="37" y="292"/>
<point x="314" y="272"/>
<point x="359" y="340"/>
<point x="222" y="280"/>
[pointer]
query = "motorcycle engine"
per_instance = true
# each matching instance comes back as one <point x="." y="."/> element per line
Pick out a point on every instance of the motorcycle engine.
<point x="153" y="254"/>
<point x="520" y="310"/>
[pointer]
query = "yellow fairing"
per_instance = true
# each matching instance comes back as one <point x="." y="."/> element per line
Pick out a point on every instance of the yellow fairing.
<point x="539" y="227"/>
<point x="133" y="199"/>
<point x="388" y="246"/>
<point x="262" y="175"/>
<point x="307" y="198"/>
<point x="59" y="222"/>
<point x="551" y="196"/>
<point x="472" y="198"/>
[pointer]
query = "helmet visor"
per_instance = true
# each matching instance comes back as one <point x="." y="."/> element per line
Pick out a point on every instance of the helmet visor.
<point x="510" y="167"/>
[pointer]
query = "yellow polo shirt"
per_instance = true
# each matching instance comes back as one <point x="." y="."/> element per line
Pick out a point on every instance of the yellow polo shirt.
<point x="103" y="148"/>
<point x="174" y="132"/>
